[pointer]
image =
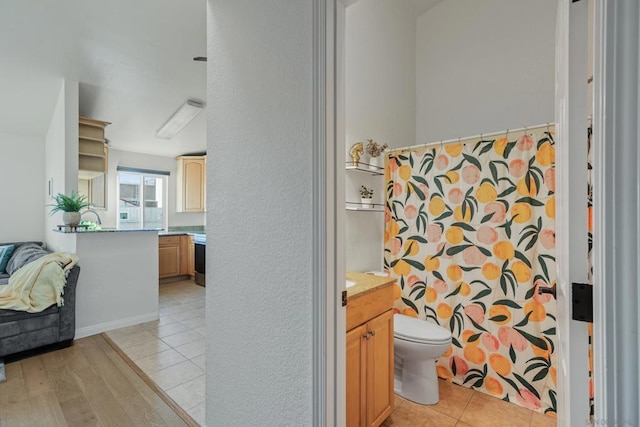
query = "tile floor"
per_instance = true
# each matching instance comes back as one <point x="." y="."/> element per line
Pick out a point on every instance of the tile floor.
<point x="171" y="352"/>
<point x="464" y="407"/>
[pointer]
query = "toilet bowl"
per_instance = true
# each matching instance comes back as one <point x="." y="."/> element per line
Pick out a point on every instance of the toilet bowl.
<point x="417" y="344"/>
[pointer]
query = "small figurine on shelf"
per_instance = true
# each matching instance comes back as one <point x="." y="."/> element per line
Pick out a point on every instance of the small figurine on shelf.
<point x="366" y="197"/>
<point x="374" y="149"/>
<point x="355" y="152"/>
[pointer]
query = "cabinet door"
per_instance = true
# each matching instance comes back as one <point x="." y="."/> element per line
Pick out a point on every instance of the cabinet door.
<point x="194" y="181"/>
<point x="356" y="376"/>
<point x="185" y="242"/>
<point x="169" y="261"/>
<point x="191" y="258"/>
<point x="380" y="368"/>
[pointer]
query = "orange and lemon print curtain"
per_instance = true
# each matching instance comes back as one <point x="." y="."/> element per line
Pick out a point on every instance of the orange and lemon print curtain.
<point x="470" y="237"/>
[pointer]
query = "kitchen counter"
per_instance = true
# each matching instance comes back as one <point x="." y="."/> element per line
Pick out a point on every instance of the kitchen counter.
<point x="366" y="283"/>
<point x="105" y="230"/>
<point x="181" y="230"/>
<point x="113" y="263"/>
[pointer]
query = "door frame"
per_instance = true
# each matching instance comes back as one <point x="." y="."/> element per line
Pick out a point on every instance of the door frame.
<point x="609" y="94"/>
<point x="571" y="207"/>
<point x="616" y="238"/>
<point x="329" y="317"/>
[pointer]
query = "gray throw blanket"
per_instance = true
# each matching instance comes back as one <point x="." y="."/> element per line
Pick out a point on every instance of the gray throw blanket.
<point x="23" y="255"/>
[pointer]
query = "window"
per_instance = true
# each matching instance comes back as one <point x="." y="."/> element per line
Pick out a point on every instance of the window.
<point x="141" y="200"/>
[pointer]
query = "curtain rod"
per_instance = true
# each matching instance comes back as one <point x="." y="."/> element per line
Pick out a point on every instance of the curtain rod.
<point x="467" y="138"/>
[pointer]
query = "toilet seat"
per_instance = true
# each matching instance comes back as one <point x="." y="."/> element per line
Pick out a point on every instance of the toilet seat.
<point x="419" y="331"/>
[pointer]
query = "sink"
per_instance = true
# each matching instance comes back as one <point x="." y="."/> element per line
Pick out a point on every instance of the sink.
<point x="350" y="283"/>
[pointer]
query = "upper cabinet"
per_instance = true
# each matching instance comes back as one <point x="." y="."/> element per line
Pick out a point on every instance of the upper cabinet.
<point x="191" y="185"/>
<point x="92" y="148"/>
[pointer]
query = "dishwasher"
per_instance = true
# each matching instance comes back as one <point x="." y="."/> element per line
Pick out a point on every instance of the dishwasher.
<point x="200" y="258"/>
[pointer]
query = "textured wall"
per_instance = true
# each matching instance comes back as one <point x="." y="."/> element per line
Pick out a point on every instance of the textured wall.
<point x="61" y="157"/>
<point x="259" y="223"/>
<point x="380" y="91"/>
<point x="22" y="175"/>
<point x="484" y="66"/>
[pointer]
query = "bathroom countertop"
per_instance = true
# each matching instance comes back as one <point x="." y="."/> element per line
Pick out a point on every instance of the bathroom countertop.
<point x="366" y="283"/>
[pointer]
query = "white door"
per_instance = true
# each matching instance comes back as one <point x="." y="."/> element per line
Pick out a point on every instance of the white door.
<point x="571" y="211"/>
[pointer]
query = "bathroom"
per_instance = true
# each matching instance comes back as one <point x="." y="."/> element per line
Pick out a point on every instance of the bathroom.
<point x="441" y="83"/>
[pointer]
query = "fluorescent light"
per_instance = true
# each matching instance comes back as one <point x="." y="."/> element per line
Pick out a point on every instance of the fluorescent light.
<point x="187" y="112"/>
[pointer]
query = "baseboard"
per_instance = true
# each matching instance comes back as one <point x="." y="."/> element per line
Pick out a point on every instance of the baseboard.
<point x="175" y="279"/>
<point x="116" y="324"/>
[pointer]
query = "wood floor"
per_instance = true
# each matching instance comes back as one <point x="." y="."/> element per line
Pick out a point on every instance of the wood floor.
<point x="87" y="384"/>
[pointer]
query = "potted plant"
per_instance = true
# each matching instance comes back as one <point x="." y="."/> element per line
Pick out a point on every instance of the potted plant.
<point x="70" y="207"/>
<point x="374" y="149"/>
<point x="366" y="197"/>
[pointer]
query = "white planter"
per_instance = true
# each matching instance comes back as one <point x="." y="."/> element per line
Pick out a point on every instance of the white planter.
<point x="375" y="163"/>
<point x="70" y="218"/>
<point x="366" y="203"/>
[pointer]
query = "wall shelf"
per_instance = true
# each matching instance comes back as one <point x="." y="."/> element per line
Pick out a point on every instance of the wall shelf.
<point x="365" y="167"/>
<point x="357" y="206"/>
<point x="92" y="148"/>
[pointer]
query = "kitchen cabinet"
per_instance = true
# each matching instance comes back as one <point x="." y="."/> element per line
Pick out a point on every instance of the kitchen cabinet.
<point x="369" y="374"/>
<point x="92" y="148"/>
<point x="175" y="256"/>
<point x="191" y="183"/>
<point x="187" y="261"/>
<point x="169" y="256"/>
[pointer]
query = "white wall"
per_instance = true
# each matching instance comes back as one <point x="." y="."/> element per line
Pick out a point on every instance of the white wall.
<point x="484" y="66"/>
<point x="144" y="161"/>
<point x="61" y="158"/>
<point x="380" y="49"/>
<point x="23" y="187"/>
<point x="118" y="282"/>
<point x="259" y="275"/>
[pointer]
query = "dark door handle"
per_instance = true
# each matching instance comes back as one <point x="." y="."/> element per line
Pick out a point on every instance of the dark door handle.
<point x="546" y="290"/>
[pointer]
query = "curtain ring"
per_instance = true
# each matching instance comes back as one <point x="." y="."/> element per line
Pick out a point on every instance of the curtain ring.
<point x="480" y="138"/>
<point x="441" y="145"/>
<point x="506" y="135"/>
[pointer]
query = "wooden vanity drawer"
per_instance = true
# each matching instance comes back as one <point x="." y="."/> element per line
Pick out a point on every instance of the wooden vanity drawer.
<point x="363" y="307"/>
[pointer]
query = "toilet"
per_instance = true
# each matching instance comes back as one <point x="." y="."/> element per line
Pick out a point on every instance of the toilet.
<point x="417" y="344"/>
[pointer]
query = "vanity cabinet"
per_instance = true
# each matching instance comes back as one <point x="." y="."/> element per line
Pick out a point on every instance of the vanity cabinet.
<point x="191" y="183"/>
<point x="175" y="256"/>
<point x="369" y="376"/>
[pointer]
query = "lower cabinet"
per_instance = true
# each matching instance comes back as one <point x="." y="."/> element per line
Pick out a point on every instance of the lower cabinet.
<point x="369" y="374"/>
<point x="175" y="256"/>
<point x="169" y="256"/>
<point x="191" y="256"/>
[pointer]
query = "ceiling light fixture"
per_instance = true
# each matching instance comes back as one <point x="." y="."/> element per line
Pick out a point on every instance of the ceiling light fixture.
<point x="187" y="112"/>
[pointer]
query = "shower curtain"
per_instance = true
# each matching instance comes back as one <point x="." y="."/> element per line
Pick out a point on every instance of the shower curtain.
<point x="470" y="237"/>
<point x="590" y="257"/>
